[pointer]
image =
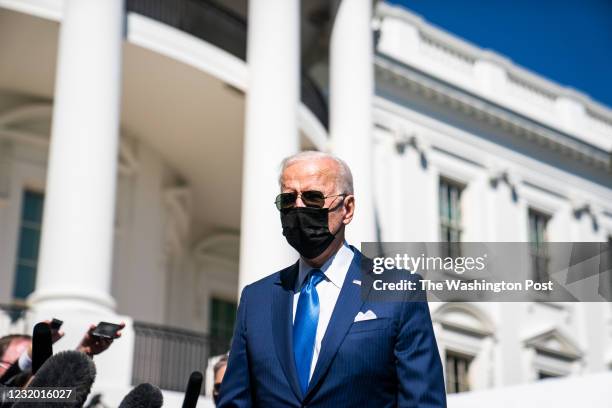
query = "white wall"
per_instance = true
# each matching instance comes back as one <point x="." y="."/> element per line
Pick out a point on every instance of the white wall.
<point x="407" y="192"/>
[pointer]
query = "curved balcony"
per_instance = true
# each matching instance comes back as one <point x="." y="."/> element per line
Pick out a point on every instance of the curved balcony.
<point x="223" y="28"/>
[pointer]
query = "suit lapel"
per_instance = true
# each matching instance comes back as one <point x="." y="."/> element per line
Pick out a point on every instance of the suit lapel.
<point x="347" y="306"/>
<point x="282" y="325"/>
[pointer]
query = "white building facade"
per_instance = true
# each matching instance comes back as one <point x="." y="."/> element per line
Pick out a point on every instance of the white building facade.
<point x="150" y="137"/>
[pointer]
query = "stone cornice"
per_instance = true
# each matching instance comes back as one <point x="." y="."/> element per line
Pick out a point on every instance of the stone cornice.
<point x="474" y="53"/>
<point x="485" y="111"/>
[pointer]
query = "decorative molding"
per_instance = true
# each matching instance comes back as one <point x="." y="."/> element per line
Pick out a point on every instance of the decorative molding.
<point x="403" y="139"/>
<point x="128" y="154"/>
<point x="25" y="113"/>
<point x="222" y="247"/>
<point x="47" y="9"/>
<point x="465" y="51"/>
<point x="555" y="343"/>
<point x="582" y="207"/>
<point x="504" y="176"/>
<point x="16" y="124"/>
<point x="488" y="112"/>
<point x="178" y="202"/>
<point x="472" y="320"/>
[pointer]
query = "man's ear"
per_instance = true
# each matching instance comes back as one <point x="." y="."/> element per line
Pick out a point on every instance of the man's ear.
<point x="349" y="209"/>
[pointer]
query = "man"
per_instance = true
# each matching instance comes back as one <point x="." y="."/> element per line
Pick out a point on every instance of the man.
<point x="305" y="336"/>
<point x="16" y="352"/>
<point x="218" y="373"/>
<point x="11" y="347"/>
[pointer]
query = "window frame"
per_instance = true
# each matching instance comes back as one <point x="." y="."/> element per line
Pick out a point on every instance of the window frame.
<point x="221" y="333"/>
<point x="24" y="224"/>
<point x="460" y="386"/>
<point x="454" y="221"/>
<point x="537" y="250"/>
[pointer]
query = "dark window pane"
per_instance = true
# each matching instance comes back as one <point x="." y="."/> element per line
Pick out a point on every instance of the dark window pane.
<point x="24" y="284"/>
<point x="542" y="375"/>
<point x="32" y="206"/>
<point x="538" y="224"/>
<point x="222" y="318"/>
<point x="29" y="244"/>
<point x="457" y="372"/>
<point x="449" y="201"/>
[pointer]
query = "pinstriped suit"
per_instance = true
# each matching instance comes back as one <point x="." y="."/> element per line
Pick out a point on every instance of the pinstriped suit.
<point x="391" y="361"/>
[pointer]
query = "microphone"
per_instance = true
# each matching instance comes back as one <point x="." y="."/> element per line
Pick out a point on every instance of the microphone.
<point x="143" y="396"/>
<point x="193" y="390"/>
<point x="42" y="345"/>
<point x="2" y="403"/>
<point x="66" y="369"/>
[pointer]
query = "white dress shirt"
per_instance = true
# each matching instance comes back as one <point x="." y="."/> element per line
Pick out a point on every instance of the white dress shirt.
<point x="335" y="269"/>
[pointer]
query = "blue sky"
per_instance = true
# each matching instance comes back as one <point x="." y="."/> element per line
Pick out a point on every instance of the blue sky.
<point x="568" y="41"/>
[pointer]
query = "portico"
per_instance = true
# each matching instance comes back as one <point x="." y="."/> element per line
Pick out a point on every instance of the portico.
<point x="75" y="267"/>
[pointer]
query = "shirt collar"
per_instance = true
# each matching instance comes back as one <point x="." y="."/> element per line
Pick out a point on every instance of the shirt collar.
<point x="334" y="268"/>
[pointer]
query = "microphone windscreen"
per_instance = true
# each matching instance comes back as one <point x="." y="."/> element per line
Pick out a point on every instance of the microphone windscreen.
<point x="66" y="369"/>
<point x="42" y="345"/>
<point x="193" y="390"/>
<point x="143" y="396"/>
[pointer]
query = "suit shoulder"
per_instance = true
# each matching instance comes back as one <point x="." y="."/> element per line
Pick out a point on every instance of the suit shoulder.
<point x="263" y="282"/>
<point x="281" y="276"/>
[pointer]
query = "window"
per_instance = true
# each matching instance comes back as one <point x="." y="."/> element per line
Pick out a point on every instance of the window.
<point x="29" y="242"/>
<point x="457" y="372"/>
<point x="222" y="318"/>
<point x="538" y="224"/>
<point x="450" y="216"/>
<point x="542" y="375"/>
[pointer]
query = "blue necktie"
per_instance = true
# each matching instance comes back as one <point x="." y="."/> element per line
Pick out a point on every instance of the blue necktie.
<point x="305" y="327"/>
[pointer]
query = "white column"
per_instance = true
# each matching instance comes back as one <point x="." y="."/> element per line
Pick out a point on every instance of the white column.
<point x="351" y="88"/>
<point x="77" y="234"/>
<point x="271" y="133"/>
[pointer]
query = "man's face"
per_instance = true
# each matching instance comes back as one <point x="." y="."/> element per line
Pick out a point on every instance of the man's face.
<point x="319" y="175"/>
<point x="15" y="349"/>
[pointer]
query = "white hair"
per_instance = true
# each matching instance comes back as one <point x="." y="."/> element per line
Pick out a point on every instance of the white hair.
<point x="344" y="178"/>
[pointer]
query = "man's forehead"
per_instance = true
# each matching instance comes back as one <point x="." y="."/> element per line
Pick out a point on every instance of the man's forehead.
<point x="315" y="168"/>
<point x="309" y="174"/>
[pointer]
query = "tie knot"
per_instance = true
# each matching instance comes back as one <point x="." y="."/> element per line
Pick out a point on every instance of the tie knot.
<point x="315" y="276"/>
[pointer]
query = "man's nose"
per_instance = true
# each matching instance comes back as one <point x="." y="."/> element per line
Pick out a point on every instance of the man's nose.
<point x="299" y="202"/>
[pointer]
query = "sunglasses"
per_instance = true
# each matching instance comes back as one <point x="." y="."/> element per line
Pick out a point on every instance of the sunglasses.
<point x="312" y="199"/>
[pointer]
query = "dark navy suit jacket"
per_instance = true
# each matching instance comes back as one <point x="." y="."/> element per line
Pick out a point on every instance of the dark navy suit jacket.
<point x="391" y="361"/>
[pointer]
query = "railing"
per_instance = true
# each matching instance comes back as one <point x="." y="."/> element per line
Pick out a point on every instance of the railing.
<point x="223" y="28"/>
<point x="166" y="356"/>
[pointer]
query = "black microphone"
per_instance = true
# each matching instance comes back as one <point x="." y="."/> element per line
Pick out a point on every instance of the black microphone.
<point x="193" y="390"/>
<point x="4" y="404"/>
<point x="66" y="369"/>
<point x="143" y="396"/>
<point x="42" y="345"/>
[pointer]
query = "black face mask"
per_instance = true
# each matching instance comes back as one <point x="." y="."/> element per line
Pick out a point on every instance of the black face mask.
<point x="307" y="230"/>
